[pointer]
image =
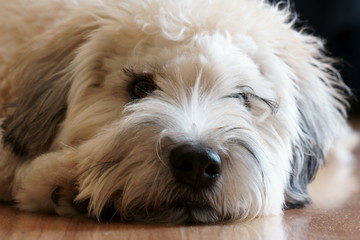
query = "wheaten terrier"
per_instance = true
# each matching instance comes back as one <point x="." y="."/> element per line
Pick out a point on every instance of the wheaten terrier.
<point x="162" y="110"/>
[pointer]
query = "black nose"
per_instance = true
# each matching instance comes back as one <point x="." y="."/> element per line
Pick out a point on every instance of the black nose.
<point x="195" y="165"/>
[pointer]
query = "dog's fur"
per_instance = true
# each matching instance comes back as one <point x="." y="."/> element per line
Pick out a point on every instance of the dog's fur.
<point x="232" y="75"/>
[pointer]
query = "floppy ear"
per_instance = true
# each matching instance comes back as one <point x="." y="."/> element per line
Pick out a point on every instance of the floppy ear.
<point x="322" y="111"/>
<point x="308" y="155"/>
<point x="42" y="70"/>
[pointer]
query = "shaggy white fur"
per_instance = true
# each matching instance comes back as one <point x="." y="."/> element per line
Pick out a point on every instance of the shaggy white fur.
<point x="96" y="95"/>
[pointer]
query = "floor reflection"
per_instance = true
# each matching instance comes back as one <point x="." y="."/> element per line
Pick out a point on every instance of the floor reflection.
<point x="271" y="228"/>
<point x="336" y="181"/>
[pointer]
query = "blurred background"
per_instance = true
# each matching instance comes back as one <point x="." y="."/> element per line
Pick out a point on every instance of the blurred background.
<point x="337" y="21"/>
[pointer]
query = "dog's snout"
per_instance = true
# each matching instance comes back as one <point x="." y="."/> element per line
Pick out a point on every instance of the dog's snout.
<point x="195" y="165"/>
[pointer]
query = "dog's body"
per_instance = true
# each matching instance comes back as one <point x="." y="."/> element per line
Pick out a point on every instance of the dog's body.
<point x="166" y="111"/>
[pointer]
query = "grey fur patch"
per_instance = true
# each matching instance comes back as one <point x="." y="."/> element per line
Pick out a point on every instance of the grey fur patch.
<point x="33" y="126"/>
<point x="43" y="73"/>
<point x="307" y="158"/>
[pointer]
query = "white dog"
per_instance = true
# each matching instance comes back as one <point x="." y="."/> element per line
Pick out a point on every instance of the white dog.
<point x="162" y="110"/>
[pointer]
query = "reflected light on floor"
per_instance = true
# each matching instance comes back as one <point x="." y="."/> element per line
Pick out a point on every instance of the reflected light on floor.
<point x="336" y="180"/>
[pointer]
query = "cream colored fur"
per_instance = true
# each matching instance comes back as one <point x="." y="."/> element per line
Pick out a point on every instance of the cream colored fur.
<point x="109" y="149"/>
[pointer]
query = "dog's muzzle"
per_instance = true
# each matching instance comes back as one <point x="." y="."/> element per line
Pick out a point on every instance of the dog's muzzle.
<point x="195" y="165"/>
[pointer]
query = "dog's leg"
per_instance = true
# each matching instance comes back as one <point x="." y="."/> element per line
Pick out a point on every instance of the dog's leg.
<point x="47" y="183"/>
<point x="8" y="166"/>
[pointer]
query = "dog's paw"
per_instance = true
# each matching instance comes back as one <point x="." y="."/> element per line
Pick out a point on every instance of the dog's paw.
<point x="63" y="201"/>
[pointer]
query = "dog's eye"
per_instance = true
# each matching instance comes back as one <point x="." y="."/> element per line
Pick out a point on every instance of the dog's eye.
<point x="142" y="84"/>
<point x="246" y="97"/>
<point x="243" y="97"/>
<point x="143" y="88"/>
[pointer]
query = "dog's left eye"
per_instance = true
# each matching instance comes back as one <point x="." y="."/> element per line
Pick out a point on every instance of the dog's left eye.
<point x="243" y="97"/>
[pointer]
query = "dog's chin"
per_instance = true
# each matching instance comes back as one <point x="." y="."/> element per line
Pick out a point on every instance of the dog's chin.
<point x="177" y="213"/>
<point x="181" y="211"/>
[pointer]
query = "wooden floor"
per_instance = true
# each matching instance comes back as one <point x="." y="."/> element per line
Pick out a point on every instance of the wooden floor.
<point x="335" y="214"/>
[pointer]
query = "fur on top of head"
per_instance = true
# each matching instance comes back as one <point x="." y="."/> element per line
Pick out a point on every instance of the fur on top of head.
<point x="123" y="83"/>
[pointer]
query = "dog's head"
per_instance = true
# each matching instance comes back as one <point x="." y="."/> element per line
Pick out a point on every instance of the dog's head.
<point x="182" y="111"/>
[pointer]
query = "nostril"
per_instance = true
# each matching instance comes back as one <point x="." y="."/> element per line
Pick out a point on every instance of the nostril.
<point x="212" y="170"/>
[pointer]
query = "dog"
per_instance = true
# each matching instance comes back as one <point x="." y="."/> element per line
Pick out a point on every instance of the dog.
<point x="192" y="111"/>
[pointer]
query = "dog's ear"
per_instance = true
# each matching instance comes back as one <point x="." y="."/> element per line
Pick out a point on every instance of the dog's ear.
<point x="308" y="156"/>
<point x="322" y="110"/>
<point x="42" y="71"/>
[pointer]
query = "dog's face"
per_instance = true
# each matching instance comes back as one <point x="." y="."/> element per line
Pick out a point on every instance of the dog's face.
<point x="189" y="133"/>
<point x="177" y="121"/>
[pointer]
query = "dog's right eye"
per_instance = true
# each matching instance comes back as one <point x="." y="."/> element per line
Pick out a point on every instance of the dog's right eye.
<point x="142" y="84"/>
<point x="143" y="87"/>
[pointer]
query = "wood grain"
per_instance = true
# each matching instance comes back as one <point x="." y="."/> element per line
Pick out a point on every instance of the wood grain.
<point x="335" y="214"/>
